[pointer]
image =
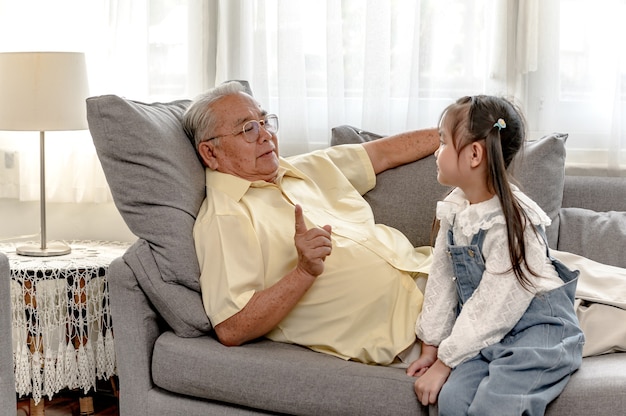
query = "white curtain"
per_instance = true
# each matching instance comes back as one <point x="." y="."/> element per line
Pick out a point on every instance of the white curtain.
<point x="381" y="65"/>
<point x="579" y="85"/>
<point x="134" y="48"/>
<point x="392" y="65"/>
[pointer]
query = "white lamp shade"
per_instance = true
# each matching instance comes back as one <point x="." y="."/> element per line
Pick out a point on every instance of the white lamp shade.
<point x="43" y="91"/>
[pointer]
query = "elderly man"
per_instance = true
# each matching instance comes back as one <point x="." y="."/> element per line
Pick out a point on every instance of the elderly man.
<point x="288" y="248"/>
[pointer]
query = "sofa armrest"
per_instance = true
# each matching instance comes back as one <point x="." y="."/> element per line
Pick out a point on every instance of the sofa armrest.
<point x="7" y="378"/>
<point x="136" y="328"/>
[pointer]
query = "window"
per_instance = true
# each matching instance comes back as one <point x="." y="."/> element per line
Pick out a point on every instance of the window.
<point x="137" y="49"/>
<point x="381" y="65"/>
<point x="580" y="85"/>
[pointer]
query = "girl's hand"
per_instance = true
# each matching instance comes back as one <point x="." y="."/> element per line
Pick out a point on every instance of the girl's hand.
<point x="428" y="386"/>
<point x="427" y="357"/>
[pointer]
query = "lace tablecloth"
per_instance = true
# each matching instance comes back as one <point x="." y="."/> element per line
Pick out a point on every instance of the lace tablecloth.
<point x="62" y="331"/>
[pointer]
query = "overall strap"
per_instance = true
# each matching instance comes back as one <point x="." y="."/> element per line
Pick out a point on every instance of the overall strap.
<point x="542" y="233"/>
<point x="479" y="238"/>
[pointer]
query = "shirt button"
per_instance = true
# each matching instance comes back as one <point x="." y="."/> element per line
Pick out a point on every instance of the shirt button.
<point x="454" y="278"/>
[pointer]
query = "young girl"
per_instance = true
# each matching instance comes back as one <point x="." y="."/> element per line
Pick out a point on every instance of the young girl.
<point x="499" y="331"/>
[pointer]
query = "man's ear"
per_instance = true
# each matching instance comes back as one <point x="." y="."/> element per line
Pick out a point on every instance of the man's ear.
<point x="207" y="154"/>
<point x="477" y="154"/>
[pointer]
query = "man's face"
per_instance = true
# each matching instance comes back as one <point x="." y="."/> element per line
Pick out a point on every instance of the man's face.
<point x="232" y="153"/>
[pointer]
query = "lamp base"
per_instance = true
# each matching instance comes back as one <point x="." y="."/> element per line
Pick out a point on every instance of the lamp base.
<point x="54" y="249"/>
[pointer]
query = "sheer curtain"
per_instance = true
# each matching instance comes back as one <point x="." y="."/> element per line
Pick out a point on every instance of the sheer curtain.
<point x="134" y="48"/>
<point x="392" y="65"/>
<point x="579" y="86"/>
<point x="381" y="65"/>
<point x="33" y="26"/>
<point x="385" y="66"/>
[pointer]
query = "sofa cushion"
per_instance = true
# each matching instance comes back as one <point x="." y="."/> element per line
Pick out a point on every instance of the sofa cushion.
<point x="288" y="379"/>
<point x="155" y="177"/>
<point x="280" y="378"/>
<point x="597" y="388"/>
<point x="586" y="233"/>
<point x="540" y="170"/>
<point x="406" y="197"/>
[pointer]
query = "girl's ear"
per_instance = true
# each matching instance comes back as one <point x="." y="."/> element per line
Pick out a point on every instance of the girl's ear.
<point x="478" y="153"/>
<point x="206" y="150"/>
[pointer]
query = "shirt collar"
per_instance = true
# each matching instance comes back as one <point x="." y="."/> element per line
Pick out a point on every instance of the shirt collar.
<point x="236" y="187"/>
<point x="477" y="216"/>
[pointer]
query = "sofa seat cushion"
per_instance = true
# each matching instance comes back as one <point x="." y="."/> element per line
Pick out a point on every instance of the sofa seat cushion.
<point x="597" y="388"/>
<point x="289" y="379"/>
<point x="279" y="377"/>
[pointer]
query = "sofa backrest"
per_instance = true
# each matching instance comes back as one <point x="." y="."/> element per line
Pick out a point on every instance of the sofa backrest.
<point x="593" y="218"/>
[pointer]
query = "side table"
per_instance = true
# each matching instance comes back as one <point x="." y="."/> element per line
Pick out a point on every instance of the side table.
<point x="62" y="329"/>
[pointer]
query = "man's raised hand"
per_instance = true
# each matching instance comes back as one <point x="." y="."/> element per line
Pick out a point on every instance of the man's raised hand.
<point x="313" y="245"/>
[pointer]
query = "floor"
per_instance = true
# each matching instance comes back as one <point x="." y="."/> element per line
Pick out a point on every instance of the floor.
<point x="66" y="403"/>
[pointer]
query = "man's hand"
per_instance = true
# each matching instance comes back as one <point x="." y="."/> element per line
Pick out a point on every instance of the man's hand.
<point x="313" y="245"/>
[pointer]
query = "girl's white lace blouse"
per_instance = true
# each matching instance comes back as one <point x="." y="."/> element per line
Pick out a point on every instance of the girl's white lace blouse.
<point x="499" y="301"/>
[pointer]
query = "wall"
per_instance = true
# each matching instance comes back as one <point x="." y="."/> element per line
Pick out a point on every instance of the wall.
<point x="65" y="221"/>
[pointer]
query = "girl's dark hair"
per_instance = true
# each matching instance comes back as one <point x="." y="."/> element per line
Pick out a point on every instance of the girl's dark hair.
<point x="475" y="118"/>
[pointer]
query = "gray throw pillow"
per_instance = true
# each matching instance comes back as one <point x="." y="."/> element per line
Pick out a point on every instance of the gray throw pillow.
<point x="155" y="176"/>
<point x="540" y="170"/>
<point x="158" y="185"/>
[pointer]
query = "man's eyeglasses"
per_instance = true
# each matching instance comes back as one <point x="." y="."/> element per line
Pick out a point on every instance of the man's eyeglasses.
<point x="251" y="128"/>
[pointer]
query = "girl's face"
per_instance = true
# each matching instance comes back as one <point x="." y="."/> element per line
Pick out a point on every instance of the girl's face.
<point x="465" y="168"/>
<point x="448" y="168"/>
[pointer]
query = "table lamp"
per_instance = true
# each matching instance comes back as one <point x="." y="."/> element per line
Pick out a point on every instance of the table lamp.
<point x="43" y="91"/>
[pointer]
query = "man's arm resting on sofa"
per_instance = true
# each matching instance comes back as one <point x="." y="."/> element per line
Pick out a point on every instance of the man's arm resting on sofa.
<point x="389" y="152"/>
<point x="268" y="307"/>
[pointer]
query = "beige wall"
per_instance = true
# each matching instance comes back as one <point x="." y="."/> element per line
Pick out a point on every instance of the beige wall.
<point x="65" y="221"/>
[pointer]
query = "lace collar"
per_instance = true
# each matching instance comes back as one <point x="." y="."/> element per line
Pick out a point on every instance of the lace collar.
<point x="469" y="218"/>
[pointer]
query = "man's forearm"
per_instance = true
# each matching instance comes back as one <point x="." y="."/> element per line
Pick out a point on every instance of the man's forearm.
<point x="270" y="306"/>
<point x="399" y="149"/>
<point x="265" y="309"/>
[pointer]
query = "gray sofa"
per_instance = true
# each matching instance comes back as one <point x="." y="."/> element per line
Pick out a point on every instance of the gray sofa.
<point x="170" y="363"/>
<point x="7" y="379"/>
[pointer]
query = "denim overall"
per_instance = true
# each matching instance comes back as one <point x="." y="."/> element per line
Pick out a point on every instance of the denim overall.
<point x="532" y="364"/>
